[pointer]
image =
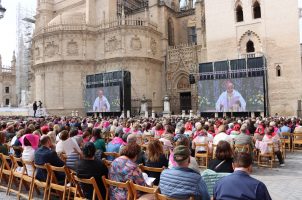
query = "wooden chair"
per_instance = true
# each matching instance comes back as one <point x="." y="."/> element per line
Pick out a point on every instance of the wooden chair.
<point x="242" y="148"/>
<point x="17" y="162"/>
<point x="164" y="197"/>
<point x="297" y="140"/>
<point x="283" y="147"/>
<point x="150" y="169"/>
<point x="202" y="155"/>
<point x="28" y="178"/>
<point x="53" y="182"/>
<point x="109" y="183"/>
<point x="40" y="184"/>
<point x="214" y="146"/>
<point x="6" y="171"/>
<point x="135" y="188"/>
<point x="287" y="139"/>
<point x="96" y="192"/>
<point x="63" y="157"/>
<point x="74" y="186"/>
<point x="268" y="156"/>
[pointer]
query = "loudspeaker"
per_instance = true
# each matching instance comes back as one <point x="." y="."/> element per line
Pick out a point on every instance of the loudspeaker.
<point x="192" y="79"/>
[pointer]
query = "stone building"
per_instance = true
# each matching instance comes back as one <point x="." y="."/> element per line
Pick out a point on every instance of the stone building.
<point x="8" y="97"/>
<point x="161" y="42"/>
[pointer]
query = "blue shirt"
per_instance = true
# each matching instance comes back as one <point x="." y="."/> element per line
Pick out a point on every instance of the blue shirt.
<point x="112" y="148"/>
<point x="182" y="183"/>
<point x="283" y="129"/>
<point x="240" y="185"/>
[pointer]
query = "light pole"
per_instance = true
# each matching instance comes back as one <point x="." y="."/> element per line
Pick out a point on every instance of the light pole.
<point x="2" y="11"/>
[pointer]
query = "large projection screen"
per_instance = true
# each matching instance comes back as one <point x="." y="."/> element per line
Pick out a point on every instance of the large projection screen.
<point x="231" y="95"/>
<point x="103" y="99"/>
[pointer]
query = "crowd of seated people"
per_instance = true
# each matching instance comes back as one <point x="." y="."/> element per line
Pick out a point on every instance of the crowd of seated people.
<point x="169" y="144"/>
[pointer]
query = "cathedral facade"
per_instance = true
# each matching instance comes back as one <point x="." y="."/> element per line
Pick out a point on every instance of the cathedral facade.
<point x="161" y="42"/>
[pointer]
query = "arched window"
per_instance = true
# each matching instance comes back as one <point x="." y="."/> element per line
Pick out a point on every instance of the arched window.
<point x="256" y="10"/>
<point x="250" y="48"/>
<point x="239" y="13"/>
<point x="170" y="32"/>
<point x="278" y="70"/>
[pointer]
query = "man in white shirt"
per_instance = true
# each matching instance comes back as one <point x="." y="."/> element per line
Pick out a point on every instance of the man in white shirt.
<point x="222" y="136"/>
<point x="230" y="100"/>
<point x="101" y="103"/>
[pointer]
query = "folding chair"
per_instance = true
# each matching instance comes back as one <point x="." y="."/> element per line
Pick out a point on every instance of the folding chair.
<point x="164" y="197"/>
<point x="269" y="157"/>
<point x="92" y="182"/>
<point x="28" y="178"/>
<point x="17" y="162"/>
<point x="40" y="184"/>
<point x="242" y="148"/>
<point x="151" y="191"/>
<point x="202" y="155"/>
<point x="6" y="171"/>
<point x="53" y="182"/>
<point x="297" y="140"/>
<point x="287" y="139"/>
<point x="108" y="183"/>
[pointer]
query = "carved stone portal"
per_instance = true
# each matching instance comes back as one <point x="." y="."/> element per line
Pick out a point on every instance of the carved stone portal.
<point x="136" y="43"/>
<point x="112" y="44"/>
<point x="51" y="49"/>
<point x="72" y="48"/>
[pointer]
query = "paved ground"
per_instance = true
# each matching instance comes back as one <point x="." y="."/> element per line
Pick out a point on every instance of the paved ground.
<point x="283" y="183"/>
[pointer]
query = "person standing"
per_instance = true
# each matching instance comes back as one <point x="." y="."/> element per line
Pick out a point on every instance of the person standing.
<point x="35" y="107"/>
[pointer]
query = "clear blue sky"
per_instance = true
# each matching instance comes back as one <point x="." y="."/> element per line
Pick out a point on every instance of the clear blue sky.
<point x="8" y="27"/>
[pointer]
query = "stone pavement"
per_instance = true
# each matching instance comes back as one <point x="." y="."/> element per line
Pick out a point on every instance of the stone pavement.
<point x="283" y="183"/>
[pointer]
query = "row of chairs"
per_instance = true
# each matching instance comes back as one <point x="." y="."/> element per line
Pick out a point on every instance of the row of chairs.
<point x="51" y="186"/>
<point x="291" y="140"/>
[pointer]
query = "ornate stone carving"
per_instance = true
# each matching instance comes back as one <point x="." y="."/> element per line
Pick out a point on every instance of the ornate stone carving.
<point x="153" y="46"/>
<point x="113" y="44"/>
<point x="72" y="48"/>
<point x="183" y="83"/>
<point x="136" y="43"/>
<point x="51" y="49"/>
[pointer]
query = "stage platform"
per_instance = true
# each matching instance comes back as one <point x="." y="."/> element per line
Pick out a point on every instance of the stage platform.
<point x="24" y="111"/>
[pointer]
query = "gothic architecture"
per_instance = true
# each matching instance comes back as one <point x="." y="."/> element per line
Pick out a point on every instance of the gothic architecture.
<point x="161" y="42"/>
<point x="8" y="95"/>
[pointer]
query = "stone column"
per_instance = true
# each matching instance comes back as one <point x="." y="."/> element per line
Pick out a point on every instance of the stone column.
<point x="128" y="113"/>
<point x="144" y="106"/>
<point x="191" y="113"/>
<point x="167" y="109"/>
<point x="153" y="114"/>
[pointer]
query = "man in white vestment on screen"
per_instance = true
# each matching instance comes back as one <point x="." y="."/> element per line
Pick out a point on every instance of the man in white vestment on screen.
<point x="230" y="100"/>
<point x="101" y="103"/>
